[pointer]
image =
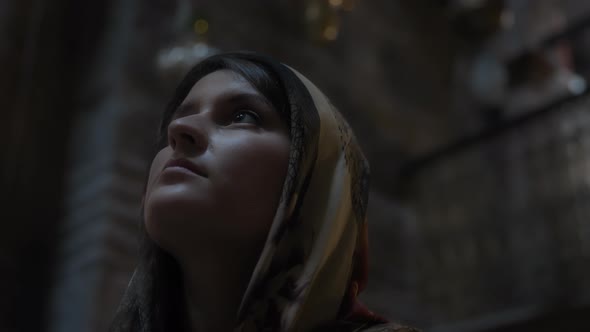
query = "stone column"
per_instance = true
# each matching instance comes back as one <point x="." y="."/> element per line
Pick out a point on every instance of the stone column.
<point x="111" y="143"/>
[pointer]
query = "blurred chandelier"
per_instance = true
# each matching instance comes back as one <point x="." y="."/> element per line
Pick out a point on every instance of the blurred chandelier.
<point x="182" y="56"/>
<point x="323" y="18"/>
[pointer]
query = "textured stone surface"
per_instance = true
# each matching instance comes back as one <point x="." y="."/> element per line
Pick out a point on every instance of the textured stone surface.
<point x="505" y="222"/>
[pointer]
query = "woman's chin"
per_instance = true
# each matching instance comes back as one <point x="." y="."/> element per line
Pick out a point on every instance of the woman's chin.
<point x="175" y="201"/>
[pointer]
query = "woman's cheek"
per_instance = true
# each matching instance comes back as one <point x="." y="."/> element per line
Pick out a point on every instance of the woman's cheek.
<point x="156" y="167"/>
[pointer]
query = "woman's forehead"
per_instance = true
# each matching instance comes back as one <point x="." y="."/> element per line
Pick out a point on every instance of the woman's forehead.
<point x="222" y="85"/>
<point x="223" y="81"/>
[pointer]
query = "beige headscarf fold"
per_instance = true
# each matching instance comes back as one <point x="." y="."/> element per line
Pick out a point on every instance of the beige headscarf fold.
<point x="314" y="261"/>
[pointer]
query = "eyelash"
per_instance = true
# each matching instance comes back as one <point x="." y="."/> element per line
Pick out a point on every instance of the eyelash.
<point x="247" y="112"/>
<point x="233" y="116"/>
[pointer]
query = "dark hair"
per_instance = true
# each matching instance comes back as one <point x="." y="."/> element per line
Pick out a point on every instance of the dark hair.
<point x="156" y="301"/>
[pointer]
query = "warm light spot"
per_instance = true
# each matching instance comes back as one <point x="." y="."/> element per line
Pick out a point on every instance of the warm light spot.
<point x="348" y="5"/>
<point x="330" y="32"/>
<point x="335" y="3"/>
<point x="201" y="26"/>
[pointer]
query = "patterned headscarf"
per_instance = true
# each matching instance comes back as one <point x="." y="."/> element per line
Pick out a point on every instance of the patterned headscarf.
<point x="314" y="262"/>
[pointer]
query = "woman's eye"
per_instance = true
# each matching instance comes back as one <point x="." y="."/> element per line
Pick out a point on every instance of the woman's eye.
<point x="246" y="117"/>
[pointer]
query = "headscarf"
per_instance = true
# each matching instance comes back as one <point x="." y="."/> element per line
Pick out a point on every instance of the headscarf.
<point x="314" y="262"/>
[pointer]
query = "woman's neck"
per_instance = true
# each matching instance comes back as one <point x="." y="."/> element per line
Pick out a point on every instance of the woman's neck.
<point x="214" y="287"/>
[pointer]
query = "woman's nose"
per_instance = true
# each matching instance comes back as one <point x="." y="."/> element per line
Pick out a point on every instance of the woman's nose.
<point x="188" y="135"/>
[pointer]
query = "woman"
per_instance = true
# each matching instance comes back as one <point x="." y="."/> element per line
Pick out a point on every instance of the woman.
<point x="254" y="210"/>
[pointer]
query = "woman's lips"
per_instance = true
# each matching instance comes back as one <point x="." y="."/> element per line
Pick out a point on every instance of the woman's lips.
<point x="185" y="164"/>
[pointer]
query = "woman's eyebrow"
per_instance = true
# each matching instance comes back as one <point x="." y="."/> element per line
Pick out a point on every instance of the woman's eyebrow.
<point x="229" y="97"/>
<point x="245" y="97"/>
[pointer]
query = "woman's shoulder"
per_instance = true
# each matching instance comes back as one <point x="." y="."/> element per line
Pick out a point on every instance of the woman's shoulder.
<point x="389" y="327"/>
<point x="342" y="326"/>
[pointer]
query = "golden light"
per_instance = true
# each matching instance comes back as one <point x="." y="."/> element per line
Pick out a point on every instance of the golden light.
<point x="348" y="5"/>
<point x="335" y="3"/>
<point x="330" y="32"/>
<point x="201" y="26"/>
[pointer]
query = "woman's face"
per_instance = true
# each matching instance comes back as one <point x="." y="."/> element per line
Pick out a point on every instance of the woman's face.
<point x="219" y="179"/>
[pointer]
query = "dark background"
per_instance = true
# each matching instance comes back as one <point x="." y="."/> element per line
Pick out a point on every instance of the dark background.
<point x="474" y="116"/>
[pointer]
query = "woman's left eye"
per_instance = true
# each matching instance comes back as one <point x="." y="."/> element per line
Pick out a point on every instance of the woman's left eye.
<point x="246" y="117"/>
